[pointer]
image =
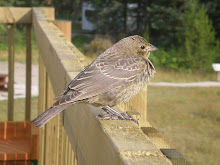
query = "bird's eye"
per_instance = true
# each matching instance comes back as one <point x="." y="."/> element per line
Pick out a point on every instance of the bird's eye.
<point x="142" y="47"/>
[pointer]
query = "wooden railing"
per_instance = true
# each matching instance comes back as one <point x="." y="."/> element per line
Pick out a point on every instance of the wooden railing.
<point x="76" y="136"/>
<point x="11" y="16"/>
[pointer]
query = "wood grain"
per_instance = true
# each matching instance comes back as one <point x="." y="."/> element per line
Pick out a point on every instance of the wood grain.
<point x="15" y="15"/>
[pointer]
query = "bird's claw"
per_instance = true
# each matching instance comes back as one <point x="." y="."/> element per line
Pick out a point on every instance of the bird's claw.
<point x="123" y="116"/>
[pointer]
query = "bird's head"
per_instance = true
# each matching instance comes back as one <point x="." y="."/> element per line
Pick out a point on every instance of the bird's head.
<point x="139" y="46"/>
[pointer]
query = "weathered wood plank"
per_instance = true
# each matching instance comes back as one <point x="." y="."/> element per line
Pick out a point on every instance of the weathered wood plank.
<point x="156" y="138"/>
<point x="11" y="72"/>
<point x="51" y="130"/>
<point x="63" y="145"/>
<point x="65" y="27"/>
<point x="23" y="15"/>
<point x="28" y="73"/>
<point x="49" y="13"/>
<point x="175" y="156"/>
<point x="15" y="15"/>
<point x="41" y="108"/>
<point x="66" y="150"/>
<point x="110" y="142"/>
<point x="54" y="50"/>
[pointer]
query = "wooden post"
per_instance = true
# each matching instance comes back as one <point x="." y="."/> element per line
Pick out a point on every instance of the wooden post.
<point x="65" y="27"/>
<point x="156" y="138"/>
<point x="175" y="156"/>
<point x="11" y="72"/>
<point x="28" y="73"/>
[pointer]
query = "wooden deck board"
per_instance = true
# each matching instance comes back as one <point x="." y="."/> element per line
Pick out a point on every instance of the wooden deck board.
<point x="18" y="141"/>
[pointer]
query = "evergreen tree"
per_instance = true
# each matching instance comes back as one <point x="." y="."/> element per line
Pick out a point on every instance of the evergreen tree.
<point x="164" y="21"/>
<point x="199" y="44"/>
<point x="213" y="11"/>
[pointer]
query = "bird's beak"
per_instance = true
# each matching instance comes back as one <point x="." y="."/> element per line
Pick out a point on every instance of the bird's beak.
<point x="152" y="48"/>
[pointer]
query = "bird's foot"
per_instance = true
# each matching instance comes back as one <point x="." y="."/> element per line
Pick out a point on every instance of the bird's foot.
<point x="128" y="117"/>
<point x="108" y="117"/>
<point x="114" y="115"/>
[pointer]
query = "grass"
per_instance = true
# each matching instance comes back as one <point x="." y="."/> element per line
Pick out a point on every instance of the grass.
<point x="19" y="109"/>
<point x="163" y="75"/>
<point x="190" y="119"/>
<point x="19" y="44"/>
<point x="20" y="56"/>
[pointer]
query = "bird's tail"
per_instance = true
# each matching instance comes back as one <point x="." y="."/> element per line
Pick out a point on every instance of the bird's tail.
<point x="48" y="114"/>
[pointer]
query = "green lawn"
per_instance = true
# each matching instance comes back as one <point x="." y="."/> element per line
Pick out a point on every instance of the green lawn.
<point x="163" y="75"/>
<point x="20" y="56"/>
<point x="190" y="119"/>
<point x="19" y="109"/>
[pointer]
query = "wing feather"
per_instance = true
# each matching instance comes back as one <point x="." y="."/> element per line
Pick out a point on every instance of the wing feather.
<point x="101" y="76"/>
<point x="110" y="70"/>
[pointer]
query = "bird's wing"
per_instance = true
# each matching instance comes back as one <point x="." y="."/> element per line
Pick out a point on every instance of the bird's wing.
<point x="104" y="75"/>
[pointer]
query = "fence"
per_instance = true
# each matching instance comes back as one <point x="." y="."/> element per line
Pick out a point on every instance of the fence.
<point x="76" y="136"/>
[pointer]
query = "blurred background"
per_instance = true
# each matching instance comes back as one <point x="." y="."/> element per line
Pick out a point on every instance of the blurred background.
<point x="187" y="33"/>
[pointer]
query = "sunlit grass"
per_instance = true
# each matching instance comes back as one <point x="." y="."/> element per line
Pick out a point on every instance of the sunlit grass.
<point x="20" y="55"/>
<point x="19" y="109"/>
<point x="174" y="76"/>
<point x="190" y="119"/>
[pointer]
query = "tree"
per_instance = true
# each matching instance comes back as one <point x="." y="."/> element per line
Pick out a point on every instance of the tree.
<point x="164" y="21"/>
<point x="213" y="11"/>
<point x="199" y="44"/>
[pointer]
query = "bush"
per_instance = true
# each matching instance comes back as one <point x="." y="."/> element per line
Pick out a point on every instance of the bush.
<point x="97" y="46"/>
<point x="80" y="40"/>
<point x="165" y="59"/>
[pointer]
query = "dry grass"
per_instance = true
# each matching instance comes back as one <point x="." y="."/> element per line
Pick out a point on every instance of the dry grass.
<point x="174" y="76"/>
<point x="19" y="109"/>
<point x="20" y="56"/>
<point x="190" y="119"/>
<point x="96" y="46"/>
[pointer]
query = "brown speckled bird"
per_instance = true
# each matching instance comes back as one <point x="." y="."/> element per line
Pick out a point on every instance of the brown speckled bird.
<point x="116" y="76"/>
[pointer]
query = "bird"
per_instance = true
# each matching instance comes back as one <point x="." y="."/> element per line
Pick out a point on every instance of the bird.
<point x="115" y="76"/>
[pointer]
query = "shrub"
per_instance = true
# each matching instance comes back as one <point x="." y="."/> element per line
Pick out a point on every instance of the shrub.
<point x="97" y="46"/>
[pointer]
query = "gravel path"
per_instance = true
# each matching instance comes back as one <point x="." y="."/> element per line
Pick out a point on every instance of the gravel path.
<point x="20" y="78"/>
<point x="191" y="84"/>
<point x="20" y="81"/>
